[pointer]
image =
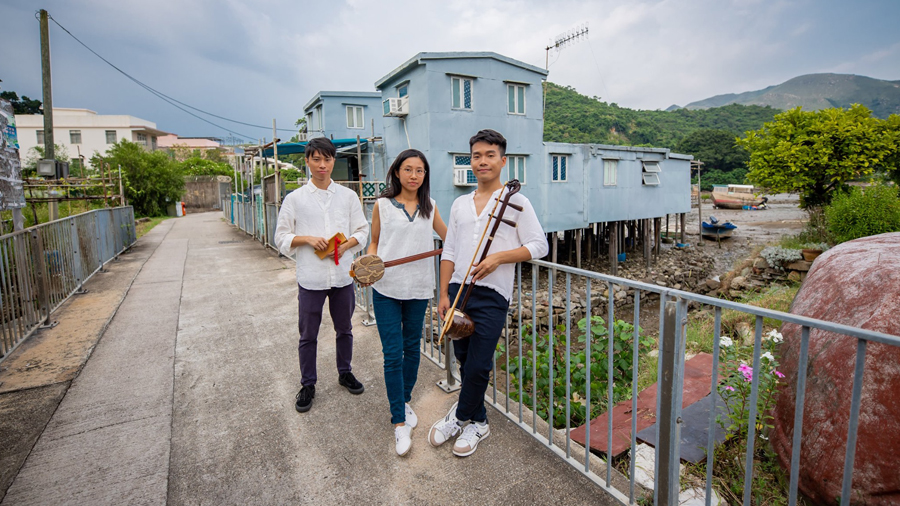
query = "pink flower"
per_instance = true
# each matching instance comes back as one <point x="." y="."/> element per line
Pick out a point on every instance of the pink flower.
<point x="729" y="388"/>
<point x="747" y="371"/>
<point x="779" y="374"/>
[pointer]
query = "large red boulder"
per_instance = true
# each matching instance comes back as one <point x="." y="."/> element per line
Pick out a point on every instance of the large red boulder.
<point x="858" y="284"/>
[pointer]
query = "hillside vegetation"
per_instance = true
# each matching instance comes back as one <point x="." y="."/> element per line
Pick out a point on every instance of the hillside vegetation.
<point x="572" y="117"/>
<point x="814" y="92"/>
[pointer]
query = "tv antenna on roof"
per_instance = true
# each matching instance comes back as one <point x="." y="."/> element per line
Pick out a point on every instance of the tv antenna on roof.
<point x="565" y="39"/>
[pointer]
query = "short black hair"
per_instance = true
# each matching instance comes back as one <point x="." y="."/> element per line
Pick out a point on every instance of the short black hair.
<point x="490" y="137"/>
<point x="320" y="145"/>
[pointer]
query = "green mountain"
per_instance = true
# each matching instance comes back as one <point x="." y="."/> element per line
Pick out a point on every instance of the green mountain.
<point x="572" y="117"/>
<point x="818" y="91"/>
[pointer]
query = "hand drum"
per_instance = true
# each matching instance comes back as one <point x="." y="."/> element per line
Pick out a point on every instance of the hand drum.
<point x="367" y="269"/>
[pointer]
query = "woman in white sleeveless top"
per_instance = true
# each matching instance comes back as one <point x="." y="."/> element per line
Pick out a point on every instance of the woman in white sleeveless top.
<point x="403" y="220"/>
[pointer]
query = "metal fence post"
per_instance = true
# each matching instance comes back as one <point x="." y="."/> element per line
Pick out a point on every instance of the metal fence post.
<point x="76" y="257"/>
<point x="37" y="251"/>
<point x="671" y="385"/>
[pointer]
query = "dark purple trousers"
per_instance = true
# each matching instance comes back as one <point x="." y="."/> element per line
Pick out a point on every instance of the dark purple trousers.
<point x="341" y="303"/>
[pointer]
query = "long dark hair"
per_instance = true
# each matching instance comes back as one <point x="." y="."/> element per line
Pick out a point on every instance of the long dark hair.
<point x="393" y="188"/>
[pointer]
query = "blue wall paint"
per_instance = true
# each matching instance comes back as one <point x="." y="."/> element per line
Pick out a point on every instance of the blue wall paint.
<point x="434" y="127"/>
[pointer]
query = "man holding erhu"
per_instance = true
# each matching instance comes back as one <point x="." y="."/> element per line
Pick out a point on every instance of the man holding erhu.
<point x="489" y="291"/>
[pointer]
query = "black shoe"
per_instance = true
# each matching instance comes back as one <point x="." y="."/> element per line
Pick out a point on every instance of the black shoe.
<point x="348" y="380"/>
<point x="305" y="398"/>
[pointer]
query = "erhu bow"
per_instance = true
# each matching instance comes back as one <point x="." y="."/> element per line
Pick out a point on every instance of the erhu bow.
<point x="458" y="325"/>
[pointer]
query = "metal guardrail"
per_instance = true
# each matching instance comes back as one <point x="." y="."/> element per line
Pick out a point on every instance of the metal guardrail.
<point x="673" y="310"/>
<point x="42" y="266"/>
<point x="673" y="319"/>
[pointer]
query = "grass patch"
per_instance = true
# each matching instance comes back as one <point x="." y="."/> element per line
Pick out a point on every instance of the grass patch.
<point x="143" y="227"/>
<point x="701" y="326"/>
<point x="42" y="211"/>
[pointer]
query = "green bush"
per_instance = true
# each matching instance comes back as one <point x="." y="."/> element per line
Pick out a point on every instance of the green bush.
<point x="538" y="362"/>
<point x="862" y="212"/>
<point x="152" y="180"/>
<point x="196" y="166"/>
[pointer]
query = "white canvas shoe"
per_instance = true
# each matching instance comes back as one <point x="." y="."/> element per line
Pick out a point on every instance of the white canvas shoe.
<point x="445" y="428"/>
<point x="472" y="434"/>
<point x="402" y="439"/>
<point x="411" y="419"/>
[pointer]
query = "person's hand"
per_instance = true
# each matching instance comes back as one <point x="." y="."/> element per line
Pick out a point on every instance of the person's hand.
<point x="318" y="243"/>
<point x="482" y="269"/>
<point x="342" y="248"/>
<point x="443" y="305"/>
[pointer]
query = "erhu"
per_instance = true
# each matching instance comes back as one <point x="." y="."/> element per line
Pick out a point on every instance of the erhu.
<point x="458" y="325"/>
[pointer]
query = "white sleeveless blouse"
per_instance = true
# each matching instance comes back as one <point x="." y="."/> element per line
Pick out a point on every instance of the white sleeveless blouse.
<point x="401" y="238"/>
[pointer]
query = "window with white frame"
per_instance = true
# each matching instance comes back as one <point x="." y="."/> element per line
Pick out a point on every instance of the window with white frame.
<point x="516" y="166"/>
<point x="74" y="136"/>
<point x="560" y="164"/>
<point x="516" y="98"/>
<point x="610" y="172"/>
<point x="309" y="123"/>
<point x="110" y="136"/>
<point x="320" y="123"/>
<point x="650" y="172"/>
<point x="461" y="93"/>
<point x="142" y="138"/>
<point x="402" y="90"/>
<point x="40" y="136"/>
<point x="463" y="163"/>
<point x="355" y="117"/>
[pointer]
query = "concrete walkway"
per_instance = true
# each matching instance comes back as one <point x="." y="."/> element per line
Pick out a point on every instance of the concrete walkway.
<point x="188" y="399"/>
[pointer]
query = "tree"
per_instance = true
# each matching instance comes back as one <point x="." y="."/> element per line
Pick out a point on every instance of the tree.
<point x="717" y="150"/>
<point x="152" y="180"/>
<point x="816" y="153"/>
<point x="24" y="105"/>
<point x="197" y="166"/>
<point x="890" y="166"/>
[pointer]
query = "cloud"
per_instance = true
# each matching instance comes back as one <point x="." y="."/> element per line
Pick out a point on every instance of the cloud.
<point x="257" y="60"/>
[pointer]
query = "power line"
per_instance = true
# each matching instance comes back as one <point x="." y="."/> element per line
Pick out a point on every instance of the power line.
<point x="162" y="96"/>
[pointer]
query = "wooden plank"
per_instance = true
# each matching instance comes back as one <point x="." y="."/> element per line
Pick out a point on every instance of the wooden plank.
<point x="697" y="379"/>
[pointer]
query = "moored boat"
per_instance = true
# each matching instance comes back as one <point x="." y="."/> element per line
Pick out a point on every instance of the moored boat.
<point x="736" y="196"/>
<point x="716" y="230"/>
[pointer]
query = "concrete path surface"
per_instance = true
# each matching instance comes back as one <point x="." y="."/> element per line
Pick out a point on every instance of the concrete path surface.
<point x="189" y="399"/>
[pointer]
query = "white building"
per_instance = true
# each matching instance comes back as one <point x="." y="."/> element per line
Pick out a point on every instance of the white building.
<point x="84" y="132"/>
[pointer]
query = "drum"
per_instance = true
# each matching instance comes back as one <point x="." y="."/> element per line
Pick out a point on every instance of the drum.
<point x="367" y="269"/>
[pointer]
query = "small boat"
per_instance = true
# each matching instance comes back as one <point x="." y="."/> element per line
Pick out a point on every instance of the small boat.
<point x="736" y="196"/>
<point x="716" y="230"/>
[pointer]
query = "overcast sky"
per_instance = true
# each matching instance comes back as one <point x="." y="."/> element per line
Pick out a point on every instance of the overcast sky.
<point x="255" y="61"/>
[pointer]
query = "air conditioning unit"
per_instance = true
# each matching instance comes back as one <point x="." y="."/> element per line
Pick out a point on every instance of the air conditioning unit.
<point x="461" y="177"/>
<point x="302" y="137"/>
<point x="396" y="107"/>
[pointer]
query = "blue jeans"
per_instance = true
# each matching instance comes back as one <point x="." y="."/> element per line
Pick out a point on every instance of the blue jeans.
<point x="475" y="353"/>
<point x="400" y="327"/>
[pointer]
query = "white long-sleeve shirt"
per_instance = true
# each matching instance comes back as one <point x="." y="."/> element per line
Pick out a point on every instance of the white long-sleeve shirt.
<point x="466" y="226"/>
<point x="311" y="211"/>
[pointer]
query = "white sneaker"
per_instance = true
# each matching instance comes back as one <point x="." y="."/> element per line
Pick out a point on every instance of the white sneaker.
<point x="403" y="441"/>
<point x="445" y="428"/>
<point x="471" y="435"/>
<point x="411" y="419"/>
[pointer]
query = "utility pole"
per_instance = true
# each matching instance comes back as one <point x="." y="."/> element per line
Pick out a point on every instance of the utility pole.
<point x="277" y="171"/>
<point x="48" y="95"/>
<point x="49" y="154"/>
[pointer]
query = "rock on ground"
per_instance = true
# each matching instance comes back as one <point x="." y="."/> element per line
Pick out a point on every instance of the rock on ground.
<point x="857" y="284"/>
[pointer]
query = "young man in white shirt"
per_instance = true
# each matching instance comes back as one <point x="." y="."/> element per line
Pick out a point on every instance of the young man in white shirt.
<point x="309" y="216"/>
<point x="493" y="284"/>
